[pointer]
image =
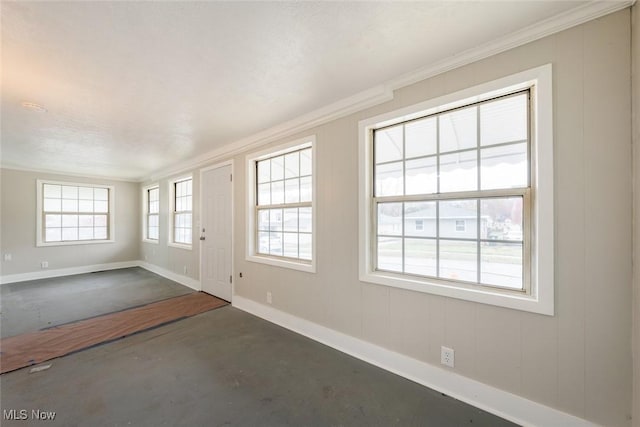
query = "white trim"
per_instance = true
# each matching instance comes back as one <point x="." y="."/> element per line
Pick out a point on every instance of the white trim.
<point x="250" y="254"/>
<point x="385" y="92"/>
<point x="202" y="171"/>
<point x="46" y="274"/>
<point x="39" y="219"/>
<point x="172" y="205"/>
<point x="541" y="298"/>
<point x="10" y="167"/>
<point x="183" y="280"/>
<point x="491" y="399"/>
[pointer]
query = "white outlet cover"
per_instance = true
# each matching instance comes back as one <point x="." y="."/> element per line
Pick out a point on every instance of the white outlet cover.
<point x="447" y="356"/>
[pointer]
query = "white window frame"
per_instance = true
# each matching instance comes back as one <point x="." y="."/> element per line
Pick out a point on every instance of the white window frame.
<point x="40" y="228"/>
<point x="172" y="211"/>
<point x="539" y="296"/>
<point x="251" y="160"/>
<point x="145" y="213"/>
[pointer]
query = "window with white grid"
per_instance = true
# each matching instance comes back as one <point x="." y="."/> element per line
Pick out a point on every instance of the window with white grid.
<point x="182" y="211"/>
<point x="153" y="213"/>
<point x="74" y="213"/>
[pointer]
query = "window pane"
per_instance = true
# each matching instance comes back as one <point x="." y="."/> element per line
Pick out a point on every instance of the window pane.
<point x="188" y="206"/>
<point x="275" y="219"/>
<point x="420" y="219"/>
<point x="153" y="233"/>
<point x="100" y="194"/>
<point x="100" y="232"/>
<point x="52" y="191"/>
<point x="421" y="137"/>
<point x="459" y="219"/>
<point x="85" y="193"/>
<point x="501" y="264"/>
<point x="85" y="233"/>
<point x="305" y="189"/>
<point x="458" y="130"/>
<point x="275" y="243"/>
<point x="389" y="179"/>
<point x="100" y="206"/>
<point x="292" y="190"/>
<point x="388" y="144"/>
<point x="69" y="234"/>
<point x="291" y="245"/>
<point x="277" y="168"/>
<point x="306" y="241"/>
<point x="69" y="220"/>
<point x="53" y="221"/>
<point x="69" y="205"/>
<point x="264" y="194"/>
<point x="305" y="220"/>
<point x="52" y="205"/>
<point x="390" y="253"/>
<point x="100" y="220"/>
<point x="187" y="220"/>
<point x="187" y="236"/>
<point x="263" y="242"/>
<point x="153" y="220"/>
<point x="291" y="220"/>
<point x="85" y="220"/>
<point x="263" y="220"/>
<point x="504" y="166"/>
<point x="179" y="189"/>
<point x="277" y="192"/>
<point x="292" y="165"/>
<point x="420" y="257"/>
<point x="504" y="120"/>
<point x="502" y="218"/>
<point x="459" y="172"/>
<point x="390" y="219"/>
<point x="264" y="171"/>
<point x="189" y="184"/>
<point x="85" y="206"/>
<point x="305" y="162"/>
<point x="421" y="176"/>
<point x="53" y="235"/>
<point x="69" y="192"/>
<point x="458" y="260"/>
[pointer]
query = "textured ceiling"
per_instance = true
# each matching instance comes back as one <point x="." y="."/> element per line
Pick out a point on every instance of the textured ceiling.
<point x="132" y="88"/>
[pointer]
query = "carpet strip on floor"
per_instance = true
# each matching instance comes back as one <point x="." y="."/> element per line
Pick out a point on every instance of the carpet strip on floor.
<point x="36" y="347"/>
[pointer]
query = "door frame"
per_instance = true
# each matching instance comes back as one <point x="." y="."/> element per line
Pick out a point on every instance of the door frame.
<point x="201" y="192"/>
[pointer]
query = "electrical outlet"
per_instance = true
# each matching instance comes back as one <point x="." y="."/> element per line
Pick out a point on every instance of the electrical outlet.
<point x="7" y="257"/>
<point x="447" y="356"/>
<point x="44" y="264"/>
<point x="269" y="298"/>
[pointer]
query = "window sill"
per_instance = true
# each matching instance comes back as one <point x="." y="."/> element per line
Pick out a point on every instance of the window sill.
<point x="179" y="245"/>
<point x="155" y="242"/>
<point x="485" y="295"/>
<point x="308" y="267"/>
<point x="78" y="242"/>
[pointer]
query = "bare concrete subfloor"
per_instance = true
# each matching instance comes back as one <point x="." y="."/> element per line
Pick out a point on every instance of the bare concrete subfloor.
<point x="225" y="368"/>
<point x="37" y="304"/>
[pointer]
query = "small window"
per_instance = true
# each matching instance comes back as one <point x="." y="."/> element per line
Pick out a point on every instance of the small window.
<point x="181" y="217"/>
<point x="282" y="217"/>
<point x="74" y="213"/>
<point x="151" y="214"/>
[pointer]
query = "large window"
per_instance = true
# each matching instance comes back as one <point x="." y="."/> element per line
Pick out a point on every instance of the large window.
<point x="152" y="213"/>
<point x="282" y="220"/>
<point x="182" y="202"/>
<point x="72" y="213"/>
<point x="450" y="196"/>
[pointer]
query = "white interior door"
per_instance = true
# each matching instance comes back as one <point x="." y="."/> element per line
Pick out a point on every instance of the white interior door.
<point x="215" y="232"/>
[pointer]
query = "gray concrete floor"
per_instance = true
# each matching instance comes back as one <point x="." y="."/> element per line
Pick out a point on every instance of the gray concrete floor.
<point x="224" y="368"/>
<point x="37" y="304"/>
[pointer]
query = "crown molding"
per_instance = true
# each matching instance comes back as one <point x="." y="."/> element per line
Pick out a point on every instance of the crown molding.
<point x="385" y="92"/>
<point x="10" y="167"/>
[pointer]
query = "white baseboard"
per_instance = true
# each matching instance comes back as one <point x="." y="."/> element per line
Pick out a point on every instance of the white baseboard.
<point x="45" y="274"/>
<point x="183" y="280"/>
<point x="499" y="402"/>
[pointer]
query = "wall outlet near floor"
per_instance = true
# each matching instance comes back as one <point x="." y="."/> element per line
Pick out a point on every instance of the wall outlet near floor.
<point x="7" y="257"/>
<point x="44" y="264"/>
<point x="269" y="298"/>
<point x="447" y="356"/>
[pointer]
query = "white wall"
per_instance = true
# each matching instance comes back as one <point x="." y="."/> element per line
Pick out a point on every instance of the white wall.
<point x="578" y="361"/>
<point x="18" y="229"/>
<point x="635" y="54"/>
